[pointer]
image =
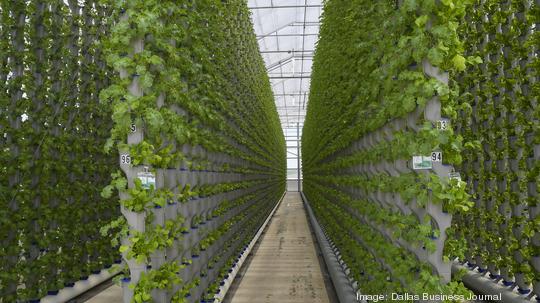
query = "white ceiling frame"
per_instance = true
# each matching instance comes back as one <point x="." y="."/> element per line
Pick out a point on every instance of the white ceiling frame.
<point x="287" y="32"/>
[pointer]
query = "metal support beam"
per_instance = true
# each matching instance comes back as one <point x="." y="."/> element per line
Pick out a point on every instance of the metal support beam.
<point x="286" y="6"/>
<point x="298" y="158"/>
<point x="292" y="94"/>
<point x="286" y="51"/>
<point x="287" y="35"/>
<point x="289" y="74"/>
<point x="270" y="67"/>
<point x="290" y="77"/>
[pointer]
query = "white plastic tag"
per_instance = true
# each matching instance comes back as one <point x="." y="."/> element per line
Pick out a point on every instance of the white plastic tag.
<point x="148" y="179"/>
<point x="443" y="124"/>
<point x="436" y="157"/>
<point x="455" y="175"/>
<point x="422" y="162"/>
<point x="125" y="159"/>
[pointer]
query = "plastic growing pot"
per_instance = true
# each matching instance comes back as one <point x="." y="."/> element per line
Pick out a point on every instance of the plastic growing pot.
<point x="536" y="288"/>
<point x="135" y="220"/>
<point x="52" y="292"/>
<point x="494" y="277"/>
<point x="135" y="269"/>
<point x="507" y="283"/>
<point x="126" y="290"/>
<point x="535" y="261"/>
<point x="159" y="295"/>
<point x="159" y="215"/>
<point x="157" y="258"/>
<point x="70" y="284"/>
<point x="523" y="291"/>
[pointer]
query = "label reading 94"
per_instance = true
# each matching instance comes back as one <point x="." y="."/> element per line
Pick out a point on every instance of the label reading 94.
<point x="436" y="156"/>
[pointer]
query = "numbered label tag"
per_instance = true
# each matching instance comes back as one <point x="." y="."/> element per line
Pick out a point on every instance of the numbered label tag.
<point x="455" y="175"/>
<point x="443" y="124"/>
<point x="148" y="179"/>
<point x="133" y="128"/>
<point x="422" y="162"/>
<point x="125" y="159"/>
<point x="436" y="156"/>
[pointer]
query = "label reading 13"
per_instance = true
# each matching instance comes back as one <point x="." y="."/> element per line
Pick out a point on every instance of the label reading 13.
<point x="442" y="124"/>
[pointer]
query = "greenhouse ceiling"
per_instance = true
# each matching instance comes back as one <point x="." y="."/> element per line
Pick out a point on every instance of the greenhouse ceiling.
<point x="287" y="31"/>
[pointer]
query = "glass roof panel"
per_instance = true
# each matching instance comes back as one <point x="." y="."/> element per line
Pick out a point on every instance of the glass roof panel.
<point x="287" y="31"/>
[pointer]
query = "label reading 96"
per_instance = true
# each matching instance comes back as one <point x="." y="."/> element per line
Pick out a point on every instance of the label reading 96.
<point x="125" y="159"/>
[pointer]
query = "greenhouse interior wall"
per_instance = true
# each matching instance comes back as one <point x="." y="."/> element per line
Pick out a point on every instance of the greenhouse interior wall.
<point x="269" y="151"/>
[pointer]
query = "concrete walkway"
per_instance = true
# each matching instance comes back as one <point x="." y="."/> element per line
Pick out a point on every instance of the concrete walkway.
<point x="285" y="267"/>
<point x="113" y="294"/>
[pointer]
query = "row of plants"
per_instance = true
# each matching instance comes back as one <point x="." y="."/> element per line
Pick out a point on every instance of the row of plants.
<point x="502" y="94"/>
<point x="52" y="129"/>
<point x="191" y="94"/>
<point x="374" y="262"/>
<point x="167" y="277"/>
<point x="381" y="96"/>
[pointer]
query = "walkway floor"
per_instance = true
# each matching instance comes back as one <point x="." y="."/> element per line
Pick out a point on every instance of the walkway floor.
<point x="285" y="267"/>
<point x="112" y="294"/>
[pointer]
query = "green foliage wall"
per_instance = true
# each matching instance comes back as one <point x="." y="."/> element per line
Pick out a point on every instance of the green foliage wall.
<point x="52" y="130"/>
<point x="380" y="89"/>
<point x="500" y="110"/>
<point x="373" y="57"/>
<point x="192" y="102"/>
